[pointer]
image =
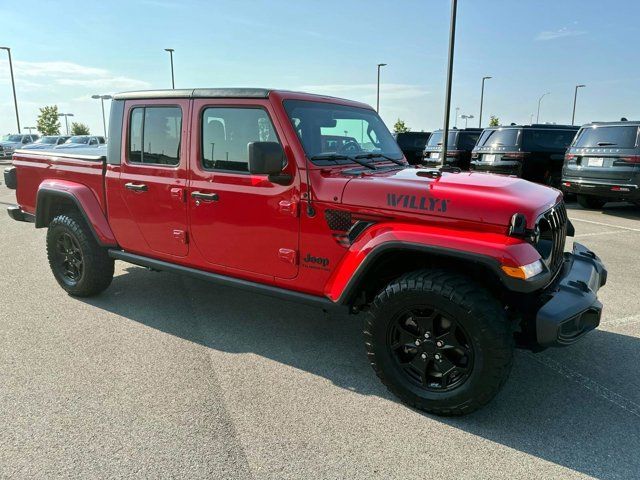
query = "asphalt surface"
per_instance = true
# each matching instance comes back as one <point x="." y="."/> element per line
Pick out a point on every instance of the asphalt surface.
<point x="167" y="377"/>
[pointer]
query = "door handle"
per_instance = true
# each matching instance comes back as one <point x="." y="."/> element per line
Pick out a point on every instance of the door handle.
<point x="136" y="187"/>
<point x="207" y="197"/>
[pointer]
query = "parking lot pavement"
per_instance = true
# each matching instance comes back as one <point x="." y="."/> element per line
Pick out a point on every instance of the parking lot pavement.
<point x="167" y="376"/>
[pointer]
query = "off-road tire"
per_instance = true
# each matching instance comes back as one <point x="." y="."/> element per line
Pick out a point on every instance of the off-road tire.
<point x="475" y="310"/>
<point x="97" y="267"/>
<point x="591" y="202"/>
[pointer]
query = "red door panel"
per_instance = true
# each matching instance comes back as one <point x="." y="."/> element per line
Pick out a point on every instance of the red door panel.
<point x="238" y="220"/>
<point x="154" y="194"/>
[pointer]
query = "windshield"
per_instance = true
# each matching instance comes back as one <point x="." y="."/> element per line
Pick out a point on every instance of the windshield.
<point x="84" y="140"/>
<point x="13" y="138"/>
<point x="332" y="129"/>
<point x="614" y="136"/>
<point x="435" y="140"/>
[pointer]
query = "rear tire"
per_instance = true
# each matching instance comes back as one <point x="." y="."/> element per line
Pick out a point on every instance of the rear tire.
<point x="81" y="266"/>
<point x="588" y="201"/>
<point x="439" y="342"/>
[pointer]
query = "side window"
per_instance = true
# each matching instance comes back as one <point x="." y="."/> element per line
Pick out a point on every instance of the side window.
<point x="226" y="134"/>
<point x="154" y="135"/>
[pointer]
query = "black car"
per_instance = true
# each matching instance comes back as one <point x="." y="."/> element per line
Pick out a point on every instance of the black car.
<point x="412" y="145"/>
<point x="459" y="146"/>
<point x="603" y="164"/>
<point x="533" y="152"/>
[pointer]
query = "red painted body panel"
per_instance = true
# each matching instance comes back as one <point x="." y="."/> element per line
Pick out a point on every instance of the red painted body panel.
<point x="261" y="231"/>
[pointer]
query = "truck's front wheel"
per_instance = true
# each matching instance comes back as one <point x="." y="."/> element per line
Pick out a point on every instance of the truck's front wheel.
<point x="440" y="342"/>
<point x="81" y="266"/>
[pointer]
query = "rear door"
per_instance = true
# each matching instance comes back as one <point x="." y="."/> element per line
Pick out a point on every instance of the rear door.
<point x="154" y="175"/>
<point x="239" y="220"/>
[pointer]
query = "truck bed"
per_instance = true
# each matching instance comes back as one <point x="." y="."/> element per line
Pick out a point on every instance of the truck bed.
<point x="84" y="166"/>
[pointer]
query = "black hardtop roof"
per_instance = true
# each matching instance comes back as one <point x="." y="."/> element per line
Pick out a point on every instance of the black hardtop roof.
<point x="196" y="93"/>
<point x="619" y="123"/>
<point x="537" y="126"/>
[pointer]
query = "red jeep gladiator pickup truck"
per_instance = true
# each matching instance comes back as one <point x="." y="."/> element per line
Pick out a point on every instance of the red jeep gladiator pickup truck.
<point x="250" y="188"/>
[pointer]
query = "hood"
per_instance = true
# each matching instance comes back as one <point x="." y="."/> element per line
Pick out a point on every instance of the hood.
<point x="466" y="196"/>
<point x="11" y="144"/>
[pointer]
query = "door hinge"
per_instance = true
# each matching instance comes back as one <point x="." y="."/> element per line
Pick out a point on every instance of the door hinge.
<point x="288" y="207"/>
<point x="288" y="255"/>
<point x="181" y="236"/>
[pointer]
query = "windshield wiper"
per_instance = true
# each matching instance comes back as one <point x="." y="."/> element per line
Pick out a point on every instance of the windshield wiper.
<point x="380" y="155"/>
<point x="338" y="156"/>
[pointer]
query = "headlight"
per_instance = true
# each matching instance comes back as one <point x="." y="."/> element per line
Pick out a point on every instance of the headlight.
<point x="524" y="272"/>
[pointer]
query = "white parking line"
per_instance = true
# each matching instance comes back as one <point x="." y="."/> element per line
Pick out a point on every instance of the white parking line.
<point x="600" y="390"/>
<point x="605" y="224"/>
<point x="595" y="234"/>
<point x="616" y="322"/>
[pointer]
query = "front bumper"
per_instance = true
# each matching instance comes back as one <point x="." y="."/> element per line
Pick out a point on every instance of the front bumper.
<point x="571" y="308"/>
<point x="19" y="215"/>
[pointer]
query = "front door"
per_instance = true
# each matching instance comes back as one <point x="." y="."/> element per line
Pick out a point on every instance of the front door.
<point x="154" y="175"/>
<point x="238" y="220"/>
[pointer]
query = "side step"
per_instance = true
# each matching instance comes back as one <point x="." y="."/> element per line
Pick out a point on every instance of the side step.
<point x="254" y="287"/>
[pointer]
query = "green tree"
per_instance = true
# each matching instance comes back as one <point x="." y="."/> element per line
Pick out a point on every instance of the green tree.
<point x="400" y="127"/>
<point x="78" y="128"/>
<point x="494" y="121"/>
<point x="48" y="122"/>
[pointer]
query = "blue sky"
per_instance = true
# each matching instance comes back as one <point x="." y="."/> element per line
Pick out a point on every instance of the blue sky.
<point x="64" y="52"/>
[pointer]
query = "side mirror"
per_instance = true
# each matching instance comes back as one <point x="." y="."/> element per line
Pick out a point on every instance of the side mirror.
<point x="267" y="158"/>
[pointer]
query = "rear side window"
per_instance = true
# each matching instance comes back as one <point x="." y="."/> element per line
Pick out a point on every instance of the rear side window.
<point x="613" y="136"/>
<point x="226" y="134"/>
<point x="547" y="140"/>
<point x="502" y="137"/>
<point x="154" y="135"/>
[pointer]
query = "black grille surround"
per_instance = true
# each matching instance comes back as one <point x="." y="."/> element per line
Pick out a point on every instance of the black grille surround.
<point x="552" y="225"/>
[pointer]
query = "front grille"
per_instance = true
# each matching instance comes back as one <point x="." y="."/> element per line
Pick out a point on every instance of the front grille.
<point x="553" y="234"/>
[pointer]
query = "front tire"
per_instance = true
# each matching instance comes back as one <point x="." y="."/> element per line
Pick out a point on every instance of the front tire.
<point x="591" y="202"/>
<point x="79" y="264"/>
<point x="439" y="342"/>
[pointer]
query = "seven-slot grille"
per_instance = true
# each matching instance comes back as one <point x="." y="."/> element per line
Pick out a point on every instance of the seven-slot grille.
<point x="553" y="234"/>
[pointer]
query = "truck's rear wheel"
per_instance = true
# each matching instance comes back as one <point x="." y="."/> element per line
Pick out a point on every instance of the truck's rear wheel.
<point x="81" y="266"/>
<point x="589" y="201"/>
<point x="439" y="342"/>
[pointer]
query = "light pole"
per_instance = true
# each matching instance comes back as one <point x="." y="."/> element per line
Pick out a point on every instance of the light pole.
<point x="171" y="50"/>
<point x="531" y="120"/>
<point x="447" y="98"/>
<point x="466" y="119"/>
<point x="13" y="85"/>
<point x="66" y="122"/>
<point x="29" y="128"/>
<point x="380" y="65"/>
<point x="456" y="121"/>
<point x="539" y="102"/>
<point x="482" y="100"/>
<point x="575" y="98"/>
<point x="102" y="99"/>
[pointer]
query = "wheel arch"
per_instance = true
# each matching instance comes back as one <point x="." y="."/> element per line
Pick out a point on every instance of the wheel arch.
<point x="382" y="256"/>
<point x="53" y="199"/>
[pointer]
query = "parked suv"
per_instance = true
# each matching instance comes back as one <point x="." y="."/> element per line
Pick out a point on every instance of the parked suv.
<point x="459" y="147"/>
<point x="603" y="164"/>
<point x="412" y="145"/>
<point x="12" y="142"/>
<point x="533" y="152"/>
<point x="48" y="141"/>
<point x="250" y="188"/>
<point x="82" y="141"/>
